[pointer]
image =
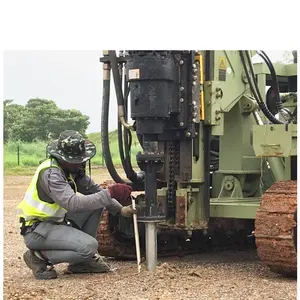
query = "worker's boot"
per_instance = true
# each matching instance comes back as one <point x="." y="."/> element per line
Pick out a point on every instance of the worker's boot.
<point x="38" y="266"/>
<point x="97" y="265"/>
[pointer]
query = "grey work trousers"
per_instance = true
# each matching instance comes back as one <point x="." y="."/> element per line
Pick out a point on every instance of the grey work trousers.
<point x="62" y="243"/>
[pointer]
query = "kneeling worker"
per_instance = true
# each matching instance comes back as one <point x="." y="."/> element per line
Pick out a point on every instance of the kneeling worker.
<point x="58" y="224"/>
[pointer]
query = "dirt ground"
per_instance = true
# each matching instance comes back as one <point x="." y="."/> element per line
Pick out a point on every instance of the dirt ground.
<point x="218" y="275"/>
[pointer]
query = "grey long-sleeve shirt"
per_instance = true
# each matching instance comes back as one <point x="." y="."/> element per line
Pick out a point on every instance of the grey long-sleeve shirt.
<point x="53" y="187"/>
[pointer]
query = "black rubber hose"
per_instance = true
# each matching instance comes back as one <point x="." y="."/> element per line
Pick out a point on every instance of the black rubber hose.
<point x="116" y="76"/>
<point x="255" y="90"/>
<point x="131" y="174"/>
<point x="275" y="85"/>
<point x="104" y="134"/>
<point x="127" y="133"/>
<point x="256" y="93"/>
<point x="120" y="138"/>
<point x="264" y="107"/>
<point x="136" y="178"/>
<point x="255" y="86"/>
<point x="120" y="143"/>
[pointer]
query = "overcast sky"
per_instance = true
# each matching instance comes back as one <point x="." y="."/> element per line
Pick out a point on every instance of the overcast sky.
<point x="73" y="79"/>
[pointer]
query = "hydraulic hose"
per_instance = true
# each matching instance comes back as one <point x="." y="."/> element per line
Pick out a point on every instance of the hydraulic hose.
<point x="255" y="90"/>
<point x="120" y="143"/>
<point x="136" y="178"/>
<point x="120" y="139"/>
<point x="116" y="77"/>
<point x="118" y="88"/>
<point x="104" y="126"/>
<point x="275" y="85"/>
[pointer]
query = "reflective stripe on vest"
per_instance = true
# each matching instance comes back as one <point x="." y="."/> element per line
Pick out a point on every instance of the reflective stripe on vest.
<point x="42" y="207"/>
<point x="32" y="208"/>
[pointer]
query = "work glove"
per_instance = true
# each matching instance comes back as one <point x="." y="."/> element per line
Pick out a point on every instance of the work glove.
<point x="128" y="211"/>
<point x="121" y="192"/>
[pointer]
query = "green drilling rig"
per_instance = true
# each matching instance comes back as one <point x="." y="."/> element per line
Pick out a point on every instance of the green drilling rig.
<point x="218" y="159"/>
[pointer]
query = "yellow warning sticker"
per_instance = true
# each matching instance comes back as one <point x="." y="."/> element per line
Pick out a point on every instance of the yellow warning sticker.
<point x="222" y="63"/>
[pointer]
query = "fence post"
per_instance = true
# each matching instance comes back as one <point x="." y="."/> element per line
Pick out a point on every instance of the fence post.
<point x="18" y="155"/>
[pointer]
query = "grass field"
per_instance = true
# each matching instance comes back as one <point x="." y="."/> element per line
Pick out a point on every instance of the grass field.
<point x="23" y="158"/>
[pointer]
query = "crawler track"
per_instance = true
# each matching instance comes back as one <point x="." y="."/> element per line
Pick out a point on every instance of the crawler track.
<point x="109" y="245"/>
<point x="275" y="233"/>
<point x="276" y="228"/>
<point x="170" y="242"/>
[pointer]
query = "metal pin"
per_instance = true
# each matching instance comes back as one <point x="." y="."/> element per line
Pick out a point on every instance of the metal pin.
<point x="136" y="237"/>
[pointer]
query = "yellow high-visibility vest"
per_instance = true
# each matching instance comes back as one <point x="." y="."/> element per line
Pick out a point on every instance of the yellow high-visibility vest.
<point x="32" y="208"/>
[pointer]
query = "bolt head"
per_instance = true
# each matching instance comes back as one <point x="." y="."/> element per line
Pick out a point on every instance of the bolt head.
<point x="188" y="134"/>
<point x="181" y="100"/>
<point x="194" y="83"/>
<point x="181" y="62"/>
<point x="194" y="66"/>
<point x="182" y="88"/>
<point x="181" y="124"/>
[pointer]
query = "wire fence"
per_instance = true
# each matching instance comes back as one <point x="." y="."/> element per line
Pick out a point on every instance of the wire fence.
<point x="30" y="155"/>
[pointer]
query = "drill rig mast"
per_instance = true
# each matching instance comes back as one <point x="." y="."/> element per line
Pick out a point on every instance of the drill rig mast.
<point x="212" y="144"/>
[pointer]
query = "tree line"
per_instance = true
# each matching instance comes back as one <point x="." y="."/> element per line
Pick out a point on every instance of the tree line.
<point x="39" y="119"/>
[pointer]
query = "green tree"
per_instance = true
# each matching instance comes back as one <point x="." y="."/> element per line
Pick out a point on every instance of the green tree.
<point x="68" y="119"/>
<point x="41" y="119"/>
<point x="11" y="114"/>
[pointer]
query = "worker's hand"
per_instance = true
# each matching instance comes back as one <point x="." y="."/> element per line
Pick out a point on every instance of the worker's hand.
<point x="128" y="211"/>
<point x="121" y="192"/>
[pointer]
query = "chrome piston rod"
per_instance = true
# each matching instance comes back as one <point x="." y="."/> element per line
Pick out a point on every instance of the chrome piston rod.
<point x="151" y="245"/>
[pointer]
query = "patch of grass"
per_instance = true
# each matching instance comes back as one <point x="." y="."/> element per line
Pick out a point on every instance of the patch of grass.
<point x="31" y="153"/>
<point x="19" y="170"/>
